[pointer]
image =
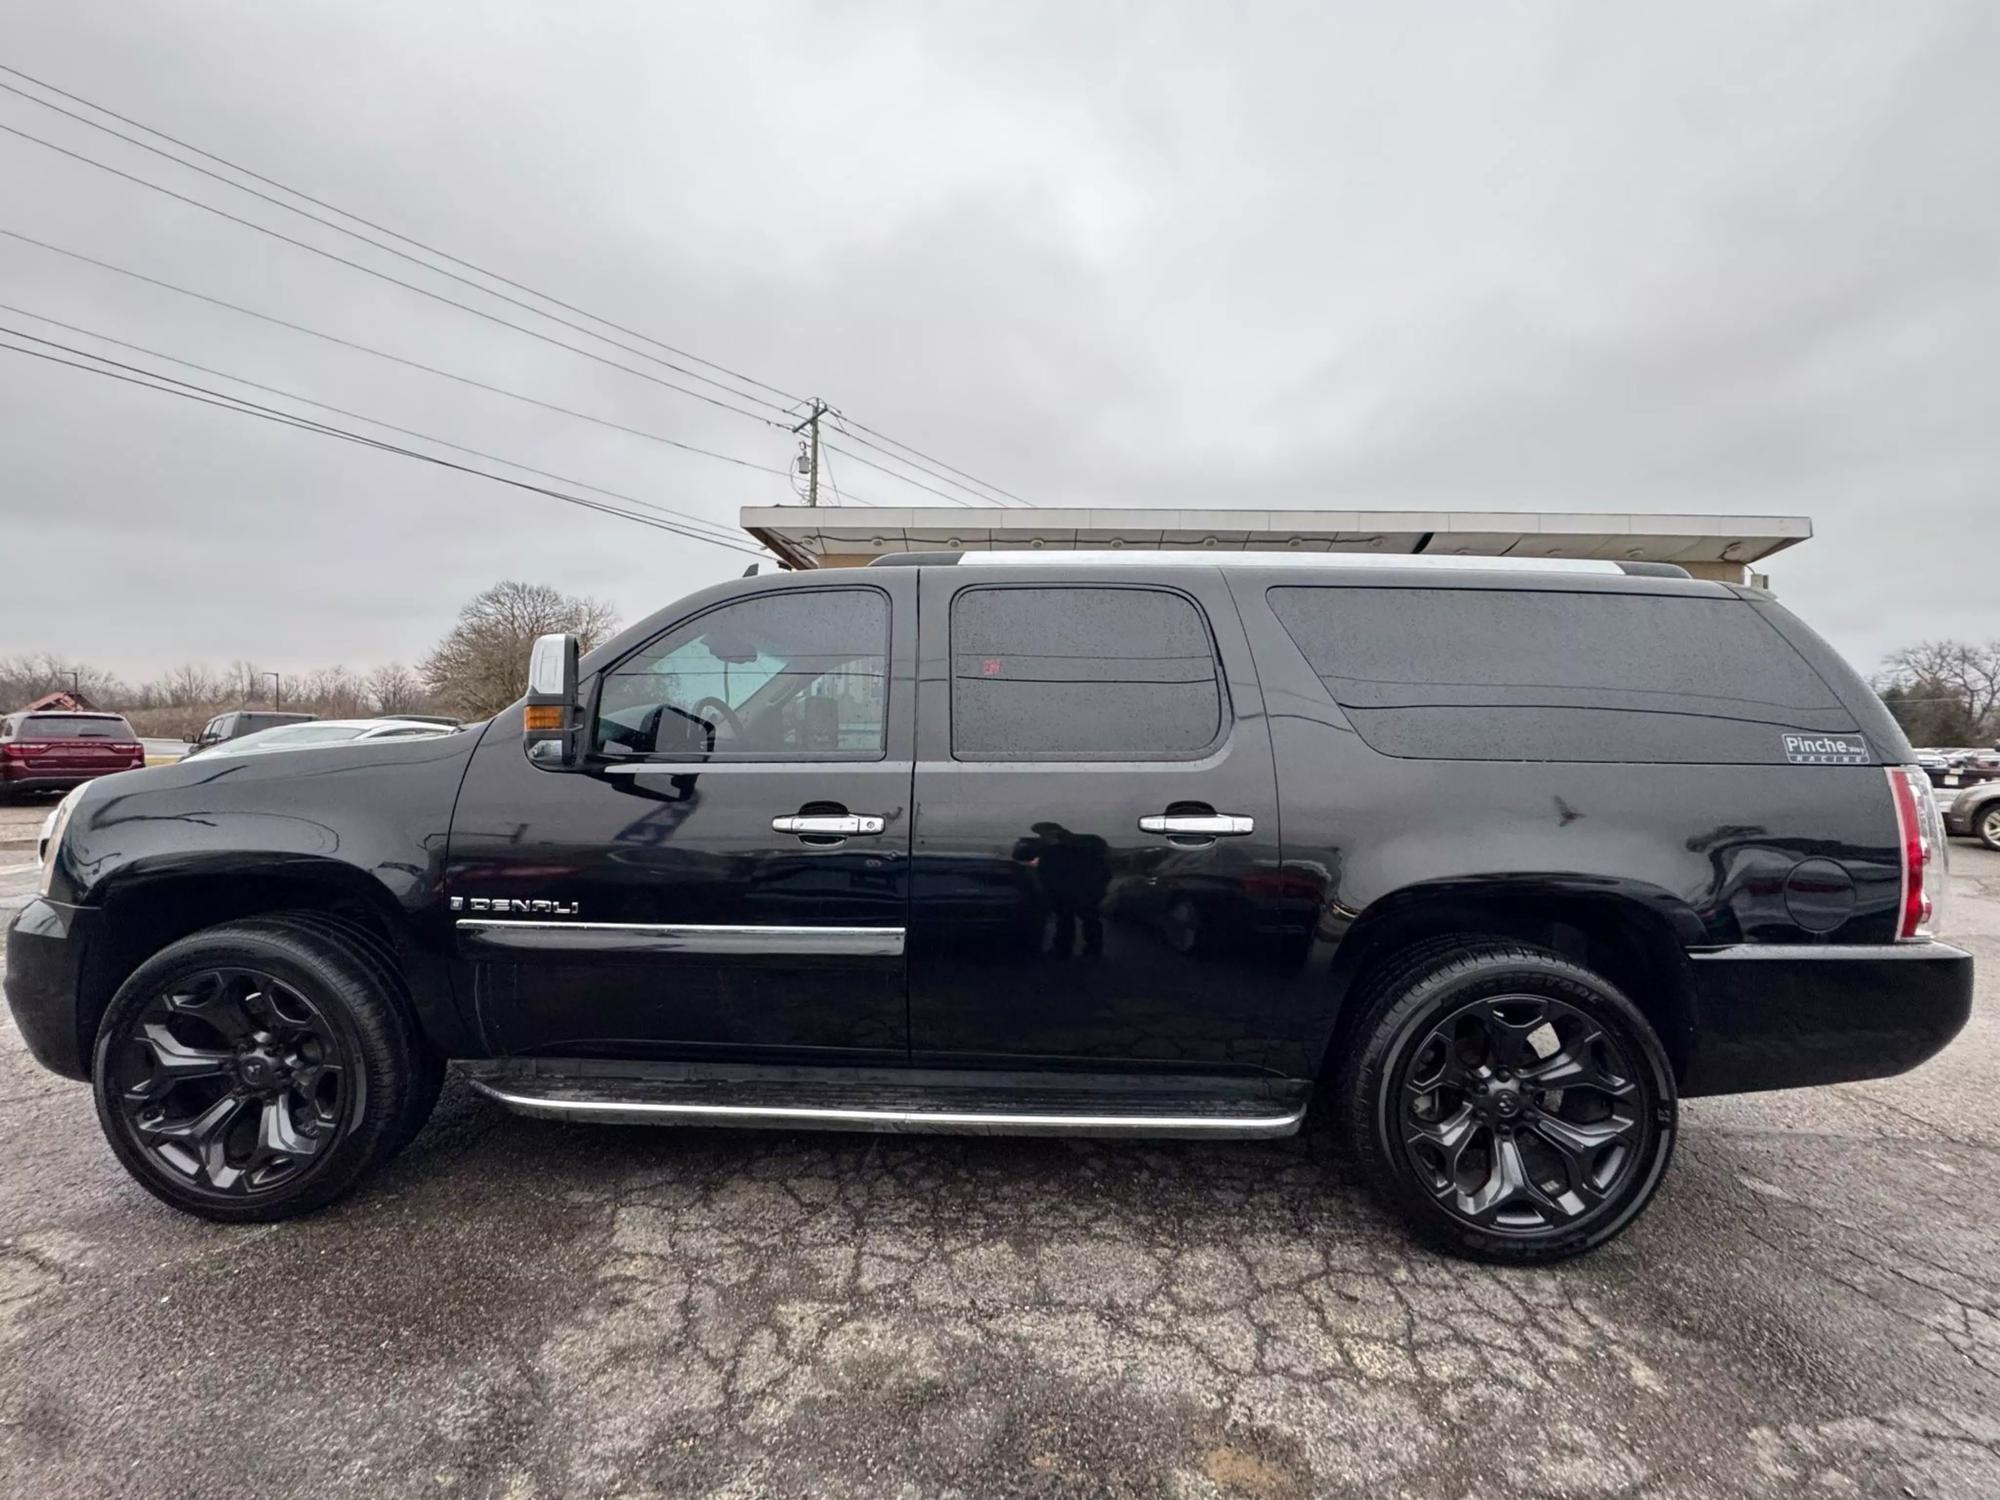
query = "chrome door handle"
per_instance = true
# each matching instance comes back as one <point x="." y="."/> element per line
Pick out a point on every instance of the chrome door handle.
<point x="1199" y="825"/>
<point x="825" y="824"/>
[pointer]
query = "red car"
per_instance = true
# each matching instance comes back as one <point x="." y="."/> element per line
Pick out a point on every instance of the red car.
<point x="52" y="752"/>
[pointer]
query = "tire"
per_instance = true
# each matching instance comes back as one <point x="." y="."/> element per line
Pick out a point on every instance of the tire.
<point x="1986" y="824"/>
<point x="427" y="1066"/>
<point x="1491" y="1162"/>
<point x="256" y="1071"/>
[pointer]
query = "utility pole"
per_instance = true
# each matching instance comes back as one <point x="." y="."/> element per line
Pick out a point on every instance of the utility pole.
<point x="811" y="455"/>
<point x="277" y="690"/>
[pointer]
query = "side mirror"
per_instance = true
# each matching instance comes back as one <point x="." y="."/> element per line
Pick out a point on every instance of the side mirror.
<point x="551" y="725"/>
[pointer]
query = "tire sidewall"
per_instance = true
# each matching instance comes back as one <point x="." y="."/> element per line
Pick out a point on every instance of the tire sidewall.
<point x="1986" y="824"/>
<point x="361" y="1121"/>
<point x="1407" y="1024"/>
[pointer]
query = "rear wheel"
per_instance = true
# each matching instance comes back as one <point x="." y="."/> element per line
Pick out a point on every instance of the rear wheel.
<point x="255" y="1071"/>
<point x="1512" y="1104"/>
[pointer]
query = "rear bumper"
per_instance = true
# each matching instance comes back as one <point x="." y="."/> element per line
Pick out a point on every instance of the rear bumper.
<point x="45" y="946"/>
<point x="1779" y="1016"/>
<point x="53" y="782"/>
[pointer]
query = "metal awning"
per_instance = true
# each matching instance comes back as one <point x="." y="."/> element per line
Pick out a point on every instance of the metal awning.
<point x="834" y="536"/>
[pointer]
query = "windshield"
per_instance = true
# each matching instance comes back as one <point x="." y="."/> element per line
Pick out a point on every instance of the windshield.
<point x="73" y="727"/>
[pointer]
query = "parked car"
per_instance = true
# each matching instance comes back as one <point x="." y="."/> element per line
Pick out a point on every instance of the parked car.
<point x="53" y="751"/>
<point x="328" y="732"/>
<point x="237" y="723"/>
<point x="1972" y="812"/>
<point x="1510" y="859"/>
<point x="1970" y="768"/>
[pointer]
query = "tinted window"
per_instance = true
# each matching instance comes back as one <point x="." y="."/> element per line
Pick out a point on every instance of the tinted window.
<point x="74" y="727"/>
<point x="1081" y="674"/>
<point x="794" y="675"/>
<point x="1552" y="675"/>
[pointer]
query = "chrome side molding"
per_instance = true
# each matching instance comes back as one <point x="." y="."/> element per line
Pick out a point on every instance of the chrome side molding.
<point x="530" y="935"/>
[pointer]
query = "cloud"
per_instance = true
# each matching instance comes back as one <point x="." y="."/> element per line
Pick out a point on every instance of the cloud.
<point x="1562" y="256"/>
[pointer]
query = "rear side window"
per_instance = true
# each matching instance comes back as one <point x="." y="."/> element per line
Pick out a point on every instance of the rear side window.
<point x="1522" y="675"/>
<point x="1079" y="673"/>
<point x="74" y="727"/>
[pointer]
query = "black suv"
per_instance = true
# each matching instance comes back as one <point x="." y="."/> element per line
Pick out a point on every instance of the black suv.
<point x="1511" y="859"/>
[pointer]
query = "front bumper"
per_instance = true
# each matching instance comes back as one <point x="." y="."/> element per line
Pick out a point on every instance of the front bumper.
<point x="1781" y="1016"/>
<point x="46" y="943"/>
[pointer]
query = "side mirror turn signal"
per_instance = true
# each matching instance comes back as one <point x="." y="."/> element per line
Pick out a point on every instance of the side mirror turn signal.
<point x="552" y="721"/>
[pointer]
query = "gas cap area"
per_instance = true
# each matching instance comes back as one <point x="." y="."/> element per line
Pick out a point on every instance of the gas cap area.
<point x="1819" y="895"/>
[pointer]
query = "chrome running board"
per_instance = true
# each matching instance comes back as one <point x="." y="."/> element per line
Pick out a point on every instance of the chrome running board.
<point x="747" y="1103"/>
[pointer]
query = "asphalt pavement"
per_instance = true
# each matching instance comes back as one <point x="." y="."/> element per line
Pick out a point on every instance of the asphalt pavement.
<point x="520" y="1309"/>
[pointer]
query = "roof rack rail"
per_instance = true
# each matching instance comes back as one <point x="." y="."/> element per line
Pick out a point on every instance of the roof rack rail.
<point x="1192" y="557"/>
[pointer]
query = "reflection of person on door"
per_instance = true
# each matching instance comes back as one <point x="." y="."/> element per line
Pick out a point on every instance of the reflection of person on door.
<point x="1072" y="872"/>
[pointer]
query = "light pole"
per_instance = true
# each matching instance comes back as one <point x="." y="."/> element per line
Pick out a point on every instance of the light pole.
<point x="277" y="690"/>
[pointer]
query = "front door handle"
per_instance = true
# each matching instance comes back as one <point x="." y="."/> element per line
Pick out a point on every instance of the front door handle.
<point x="1199" y="825"/>
<point x="825" y="825"/>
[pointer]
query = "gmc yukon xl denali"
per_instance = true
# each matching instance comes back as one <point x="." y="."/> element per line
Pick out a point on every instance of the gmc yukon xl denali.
<point x="1509" y="860"/>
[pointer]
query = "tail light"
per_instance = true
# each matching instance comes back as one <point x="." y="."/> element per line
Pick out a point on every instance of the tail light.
<point x="1921" y="846"/>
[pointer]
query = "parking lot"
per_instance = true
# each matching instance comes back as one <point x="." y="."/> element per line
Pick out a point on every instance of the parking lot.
<point x="522" y="1309"/>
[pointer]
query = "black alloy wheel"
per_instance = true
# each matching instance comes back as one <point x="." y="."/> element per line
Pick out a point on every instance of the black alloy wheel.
<point x="1515" y="1106"/>
<point x="256" y="1070"/>
<point x="233" y="1080"/>
<point x="1519" y="1112"/>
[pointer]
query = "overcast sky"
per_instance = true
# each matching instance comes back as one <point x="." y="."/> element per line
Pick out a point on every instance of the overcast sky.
<point x="1712" y="258"/>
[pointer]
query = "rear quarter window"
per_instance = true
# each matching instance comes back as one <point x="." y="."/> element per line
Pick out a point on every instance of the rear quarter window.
<point x="1480" y="674"/>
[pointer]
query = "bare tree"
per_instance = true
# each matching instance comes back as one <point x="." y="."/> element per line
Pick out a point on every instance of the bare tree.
<point x="481" y="665"/>
<point x="189" y="684"/>
<point x="28" y="677"/>
<point x="1945" y="692"/>
<point x="330" y="692"/>
<point x="396" y="689"/>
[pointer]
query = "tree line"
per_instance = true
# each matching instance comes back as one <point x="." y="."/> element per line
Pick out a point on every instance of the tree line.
<point x="1944" y="693"/>
<point x="478" y="668"/>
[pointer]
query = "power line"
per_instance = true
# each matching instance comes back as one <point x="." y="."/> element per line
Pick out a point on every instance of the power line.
<point x="904" y="478"/>
<point x="847" y="422"/>
<point x="337" y="410"/>
<point x="1002" y="494"/>
<point x="308" y="246"/>
<point x="366" y="240"/>
<point x="394" y="234"/>
<point x="345" y="343"/>
<point x="225" y="402"/>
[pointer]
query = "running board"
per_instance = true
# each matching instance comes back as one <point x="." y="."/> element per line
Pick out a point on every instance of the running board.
<point x="946" y="1103"/>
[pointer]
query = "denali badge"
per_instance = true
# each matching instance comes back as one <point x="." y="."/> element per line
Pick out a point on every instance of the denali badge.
<point x="525" y="908"/>
<point x="1825" y="750"/>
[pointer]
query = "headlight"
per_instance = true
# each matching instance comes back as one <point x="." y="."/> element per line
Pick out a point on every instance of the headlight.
<point x="50" y="842"/>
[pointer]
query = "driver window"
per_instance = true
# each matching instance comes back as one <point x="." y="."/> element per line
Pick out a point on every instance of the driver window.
<point x="793" y="675"/>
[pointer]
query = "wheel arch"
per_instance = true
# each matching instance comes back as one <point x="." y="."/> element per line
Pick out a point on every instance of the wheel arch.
<point x="1636" y="936"/>
<point x="144" y="911"/>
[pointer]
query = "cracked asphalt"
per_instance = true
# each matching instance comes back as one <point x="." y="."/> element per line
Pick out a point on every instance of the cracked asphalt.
<point x="520" y="1309"/>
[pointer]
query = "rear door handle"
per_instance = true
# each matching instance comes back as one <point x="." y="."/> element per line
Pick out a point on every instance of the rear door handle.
<point x="1199" y="825"/>
<point x="827" y="824"/>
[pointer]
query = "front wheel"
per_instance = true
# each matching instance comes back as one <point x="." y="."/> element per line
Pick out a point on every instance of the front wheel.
<point x="1987" y="824"/>
<point x="1512" y="1104"/>
<point x="255" y="1071"/>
